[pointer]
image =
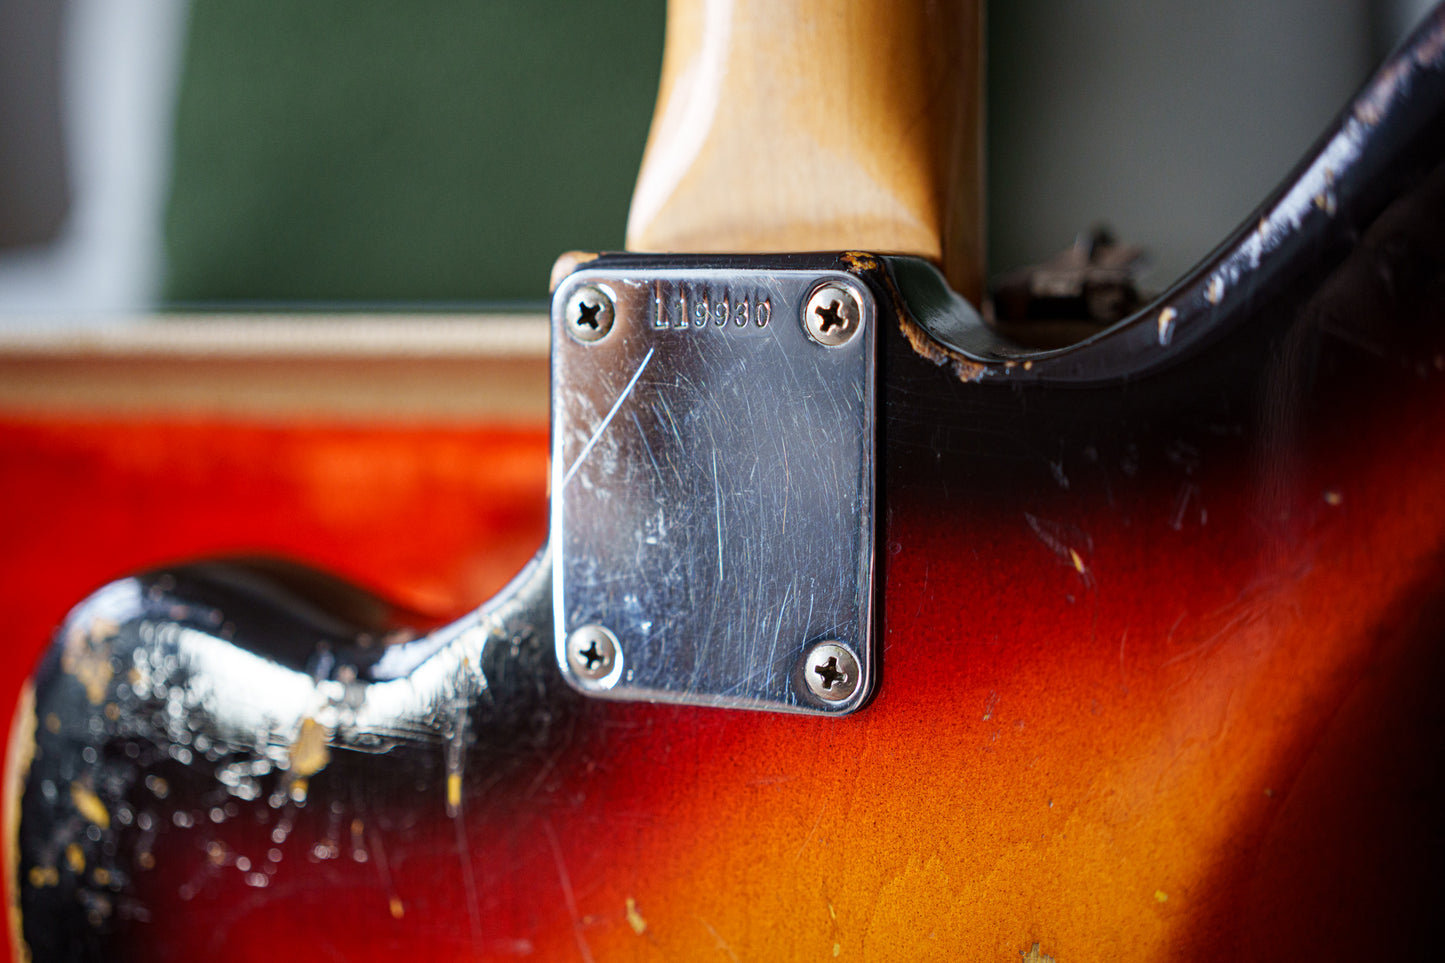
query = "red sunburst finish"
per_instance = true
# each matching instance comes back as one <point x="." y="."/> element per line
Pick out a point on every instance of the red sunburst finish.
<point x="1158" y="681"/>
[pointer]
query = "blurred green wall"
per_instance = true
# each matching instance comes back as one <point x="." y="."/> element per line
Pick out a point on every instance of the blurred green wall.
<point x="448" y="150"/>
<point x="438" y="150"/>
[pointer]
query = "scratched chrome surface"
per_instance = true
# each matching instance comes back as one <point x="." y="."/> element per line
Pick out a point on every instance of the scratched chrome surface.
<point x="713" y="487"/>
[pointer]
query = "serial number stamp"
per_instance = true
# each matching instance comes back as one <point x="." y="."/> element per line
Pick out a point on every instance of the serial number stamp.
<point x="682" y="304"/>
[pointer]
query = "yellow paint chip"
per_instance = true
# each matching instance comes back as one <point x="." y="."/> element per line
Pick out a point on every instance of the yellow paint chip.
<point x="397" y="910"/>
<point x="1078" y="561"/>
<point x="837" y="948"/>
<point x="454" y="792"/>
<point x="75" y="858"/>
<point x="1161" y="896"/>
<point x="1333" y="498"/>
<point x="42" y="876"/>
<point x="1035" y="955"/>
<point x="86" y="657"/>
<point x="88" y="804"/>
<point x="309" y="754"/>
<point x="634" y="918"/>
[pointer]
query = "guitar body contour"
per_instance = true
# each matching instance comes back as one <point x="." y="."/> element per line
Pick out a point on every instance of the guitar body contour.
<point x="1158" y="674"/>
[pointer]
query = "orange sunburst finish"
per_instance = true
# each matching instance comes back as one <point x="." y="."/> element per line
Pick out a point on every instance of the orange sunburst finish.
<point x="1181" y="751"/>
<point x="1165" y="698"/>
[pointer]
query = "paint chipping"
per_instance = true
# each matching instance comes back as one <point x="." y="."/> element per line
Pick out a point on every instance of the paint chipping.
<point x="634" y="918"/>
<point x="1166" y="325"/>
<point x="859" y="261"/>
<point x="454" y="793"/>
<point x="43" y="876"/>
<point x="837" y="948"/>
<point x="1333" y="498"/>
<point x="88" y="804"/>
<point x="309" y="754"/>
<point x="1214" y="291"/>
<point x="1036" y="955"/>
<point x="918" y="339"/>
<point x="397" y="910"/>
<point x="1161" y="896"/>
<point x="86" y="656"/>
<point x="930" y="350"/>
<point x="1061" y="539"/>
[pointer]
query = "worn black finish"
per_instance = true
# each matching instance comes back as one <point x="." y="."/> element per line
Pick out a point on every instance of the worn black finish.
<point x="166" y="695"/>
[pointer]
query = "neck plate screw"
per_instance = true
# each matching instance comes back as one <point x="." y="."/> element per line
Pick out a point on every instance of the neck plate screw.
<point x="831" y="671"/>
<point x="592" y="652"/>
<point x="833" y="314"/>
<point x="589" y="313"/>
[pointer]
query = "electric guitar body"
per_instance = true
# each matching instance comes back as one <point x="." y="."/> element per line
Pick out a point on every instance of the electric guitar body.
<point x="1158" y="632"/>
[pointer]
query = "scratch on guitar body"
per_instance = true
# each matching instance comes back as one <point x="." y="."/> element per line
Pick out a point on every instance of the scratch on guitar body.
<point x="722" y="944"/>
<point x="812" y="832"/>
<point x="1060" y="539"/>
<point x="568" y="896"/>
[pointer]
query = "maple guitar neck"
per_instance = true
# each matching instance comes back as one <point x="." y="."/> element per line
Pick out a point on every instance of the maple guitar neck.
<point x="1160" y="654"/>
<point x="810" y="125"/>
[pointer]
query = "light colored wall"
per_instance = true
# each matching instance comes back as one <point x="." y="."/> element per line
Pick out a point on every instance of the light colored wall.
<point x="119" y="61"/>
<point x="1168" y="121"/>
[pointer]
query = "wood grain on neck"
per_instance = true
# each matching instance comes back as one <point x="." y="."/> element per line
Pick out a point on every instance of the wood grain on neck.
<point x="794" y="125"/>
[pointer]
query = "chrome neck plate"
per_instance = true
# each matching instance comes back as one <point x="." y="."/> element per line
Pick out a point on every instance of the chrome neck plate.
<point x="713" y="482"/>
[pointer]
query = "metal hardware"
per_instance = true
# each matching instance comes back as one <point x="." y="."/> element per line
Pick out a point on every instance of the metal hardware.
<point x="593" y="652"/>
<point x="833" y="314"/>
<point x="713" y="481"/>
<point x="831" y="672"/>
<point x="590" y="313"/>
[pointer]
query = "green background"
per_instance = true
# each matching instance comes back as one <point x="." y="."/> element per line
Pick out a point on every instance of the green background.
<point x="361" y="151"/>
<point x="438" y="150"/>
